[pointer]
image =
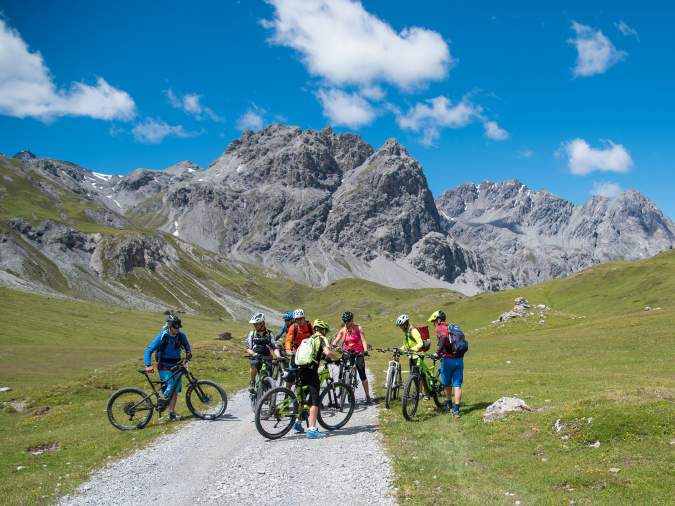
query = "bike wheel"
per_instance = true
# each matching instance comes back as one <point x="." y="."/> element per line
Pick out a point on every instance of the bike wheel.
<point x="276" y="412"/>
<point x="336" y="406"/>
<point x="129" y="409"/>
<point x="206" y="400"/>
<point x="398" y="381"/>
<point x="266" y="384"/>
<point x="389" y="387"/>
<point x="411" y="397"/>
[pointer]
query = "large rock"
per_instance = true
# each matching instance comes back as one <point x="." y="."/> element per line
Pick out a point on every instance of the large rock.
<point x="503" y="406"/>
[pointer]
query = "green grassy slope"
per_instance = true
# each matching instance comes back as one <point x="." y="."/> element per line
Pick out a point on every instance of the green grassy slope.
<point x="598" y="355"/>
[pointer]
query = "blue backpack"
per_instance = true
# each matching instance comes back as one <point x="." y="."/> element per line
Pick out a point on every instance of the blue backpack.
<point x="458" y="343"/>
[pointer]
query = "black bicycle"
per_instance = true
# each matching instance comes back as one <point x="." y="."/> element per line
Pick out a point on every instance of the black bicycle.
<point x="280" y="407"/>
<point x="267" y="378"/>
<point x="348" y="372"/>
<point x="131" y="408"/>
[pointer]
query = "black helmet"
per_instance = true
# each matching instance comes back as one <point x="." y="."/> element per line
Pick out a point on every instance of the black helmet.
<point x="173" y="321"/>
<point x="347" y="316"/>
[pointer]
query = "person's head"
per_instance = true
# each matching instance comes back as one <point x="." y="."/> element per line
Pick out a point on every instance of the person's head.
<point x="288" y="317"/>
<point x="174" y="324"/>
<point x="258" y="321"/>
<point x="403" y="322"/>
<point x="321" y="327"/>
<point x="437" y="317"/>
<point x="348" y="319"/>
<point x="299" y="315"/>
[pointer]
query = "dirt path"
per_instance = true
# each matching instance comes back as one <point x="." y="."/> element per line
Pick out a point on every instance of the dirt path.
<point x="228" y="462"/>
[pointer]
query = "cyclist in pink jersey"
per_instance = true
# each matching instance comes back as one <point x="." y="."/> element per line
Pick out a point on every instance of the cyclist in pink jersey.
<point x="353" y="340"/>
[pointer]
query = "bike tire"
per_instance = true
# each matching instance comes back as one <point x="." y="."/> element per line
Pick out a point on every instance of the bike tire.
<point x="411" y="397"/>
<point x="331" y="401"/>
<point x="389" y="387"/>
<point x="398" y="381"/>
<point x="140" y="397"/>
<point x="217" y="396"/>
<point x="268" y="409"/>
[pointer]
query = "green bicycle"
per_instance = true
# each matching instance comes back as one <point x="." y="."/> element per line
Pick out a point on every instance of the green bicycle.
<point x="411" y="390"/>
<point x="279" y="408"/>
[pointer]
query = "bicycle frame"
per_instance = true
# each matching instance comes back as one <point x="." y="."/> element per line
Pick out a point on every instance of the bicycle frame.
<point x="180" y="370"/>
<point x="426" y="372"/>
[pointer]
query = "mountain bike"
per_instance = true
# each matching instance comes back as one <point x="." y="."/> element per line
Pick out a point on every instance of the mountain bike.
<point x="265" y="378"/>
<point x="280" y="407"/>
<point x="348" y="372"/>
<point x="394" y="380"/>
<point x="411" y="390"/>
<point x="131" y="408"/>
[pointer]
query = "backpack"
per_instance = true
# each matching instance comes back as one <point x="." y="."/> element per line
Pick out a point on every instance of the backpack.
<point x="426" y="340"/>
<point x="458" y="343"/>
<point x="165" y="342"/>
<point x="295" y="328"/>
<point x="308" y="351"/>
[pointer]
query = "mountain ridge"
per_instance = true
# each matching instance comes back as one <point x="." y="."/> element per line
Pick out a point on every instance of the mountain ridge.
<point x="317" y="206"/>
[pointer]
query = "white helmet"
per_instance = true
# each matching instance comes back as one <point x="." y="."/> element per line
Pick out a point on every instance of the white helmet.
<point x="402" y="320"/>
<point x="298" y="313"/>
<point x="257" y="318"/>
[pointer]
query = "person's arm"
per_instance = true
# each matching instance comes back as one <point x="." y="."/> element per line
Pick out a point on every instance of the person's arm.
<point x="186" y="344"/>
<point x="419" y="343"/>
<point x="249" y="343"/>
<point x="363" y="339"/>
<point x="289" y="339"/>
<point x="147" y="356"/>
<point x="327" y="350"/>
<point x="339" y="338"/>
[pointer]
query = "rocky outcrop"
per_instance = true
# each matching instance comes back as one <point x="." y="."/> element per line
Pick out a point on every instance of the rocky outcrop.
<point x="524" y="236"/>
<point x="503" y="406"/>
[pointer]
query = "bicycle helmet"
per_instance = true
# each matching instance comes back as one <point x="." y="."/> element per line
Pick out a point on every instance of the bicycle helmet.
<point x="402" y="320"/>
<point x="347" y="316"/>
<point x="437" y="315"/>
<point x="257" y="318"/>
<point x="288" y="315"/>
<point x="320" y="324"/>
<point x="173" y="321"/>
<point x="298" y="313"/>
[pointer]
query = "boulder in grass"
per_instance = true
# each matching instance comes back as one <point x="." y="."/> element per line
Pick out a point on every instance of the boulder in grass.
<point x="5" y="389"/>
<point x="503" y="406"/>
<point x="224" y="336"/>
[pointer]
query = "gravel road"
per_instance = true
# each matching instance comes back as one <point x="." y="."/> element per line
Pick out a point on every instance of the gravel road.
<point x="228" y="462"/>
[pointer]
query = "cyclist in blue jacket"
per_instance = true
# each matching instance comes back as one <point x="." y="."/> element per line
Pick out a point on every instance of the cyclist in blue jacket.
<point x="167" y="348"/>
<point x="281" y="335"/>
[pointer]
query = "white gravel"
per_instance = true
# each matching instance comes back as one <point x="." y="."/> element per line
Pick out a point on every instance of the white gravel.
<point x="228" y="462"/>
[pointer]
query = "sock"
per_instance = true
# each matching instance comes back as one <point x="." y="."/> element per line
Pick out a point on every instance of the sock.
<point x="448" y="404"/>
<point x="456" y="408"/>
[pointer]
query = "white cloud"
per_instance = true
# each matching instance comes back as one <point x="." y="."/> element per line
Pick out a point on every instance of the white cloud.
<point x="191" y="104"/>
<point x="606" y="189"/>
<point x="348" y="109"/>
<point x="595" y="52"/>
<point x="583" y="159"/>
<point x="494" y="131"/>
<point x="154" y="131"/>
<point x="626" y="30"/>
<point x="343" y="43"/>
<point x="252" y="119"/>
<point x="431" y="115"/>
<point x="27" y="88"/>
<point x="526" y="153"/>
<point x="372" y="92"/>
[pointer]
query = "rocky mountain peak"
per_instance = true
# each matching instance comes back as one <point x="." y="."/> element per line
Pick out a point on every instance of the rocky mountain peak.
<point x="25" y="155"/>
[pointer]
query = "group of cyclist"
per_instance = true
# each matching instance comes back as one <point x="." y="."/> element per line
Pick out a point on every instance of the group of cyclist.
<point x="262" y="344"/>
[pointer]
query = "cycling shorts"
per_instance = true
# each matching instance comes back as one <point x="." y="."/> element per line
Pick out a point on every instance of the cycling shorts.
<point x="360" y="362"/>
<point x="310" y="378"/>
<point x="171" y="380"/>
<point x="452" y="372"/>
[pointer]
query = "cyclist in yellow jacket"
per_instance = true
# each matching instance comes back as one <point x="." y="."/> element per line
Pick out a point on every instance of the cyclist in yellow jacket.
<point x="412" y="342"/>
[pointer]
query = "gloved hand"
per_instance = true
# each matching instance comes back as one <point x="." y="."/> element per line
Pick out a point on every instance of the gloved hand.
<point x="365" y="354"/>
<point x="188" y="356"/>
<point x="149" y="369"/>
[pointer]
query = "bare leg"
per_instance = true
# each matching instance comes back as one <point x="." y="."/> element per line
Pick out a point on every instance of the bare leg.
<point x="458" y="396"/>
<point x="253" y="373"/>
<point x="448" y="393"/>
<point x="172" y="403"/>
<point x="365" y="389"/>
<point x="313" y="414"/>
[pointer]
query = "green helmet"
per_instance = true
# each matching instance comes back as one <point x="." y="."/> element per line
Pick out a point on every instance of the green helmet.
<point x="320" y="324"/>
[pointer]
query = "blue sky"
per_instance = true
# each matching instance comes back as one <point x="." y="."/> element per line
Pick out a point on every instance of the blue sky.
<point x="573" y="98"/>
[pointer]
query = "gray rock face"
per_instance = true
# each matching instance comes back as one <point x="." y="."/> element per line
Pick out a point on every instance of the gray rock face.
<point x="524" y="237"/>
<point x="318" y="206"/>
<point x="503" y="406"/>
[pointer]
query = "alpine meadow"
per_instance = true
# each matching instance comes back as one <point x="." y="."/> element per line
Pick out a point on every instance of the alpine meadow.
<point x="336" y="252"/>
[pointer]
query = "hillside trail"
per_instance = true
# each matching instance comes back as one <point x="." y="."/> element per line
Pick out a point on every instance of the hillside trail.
<point x="228" y="462"/>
